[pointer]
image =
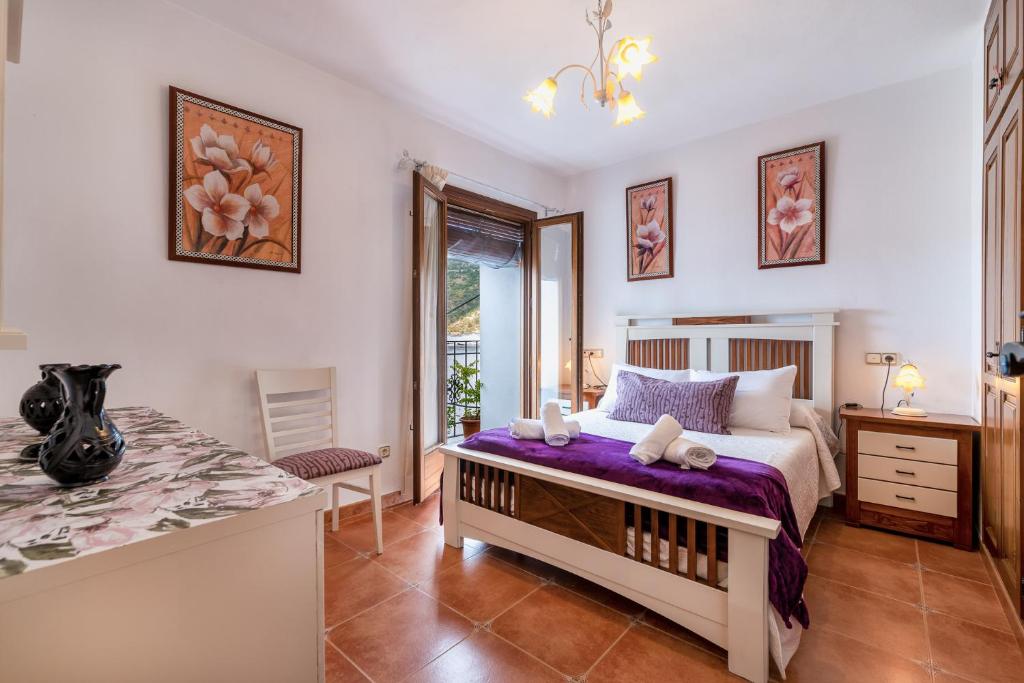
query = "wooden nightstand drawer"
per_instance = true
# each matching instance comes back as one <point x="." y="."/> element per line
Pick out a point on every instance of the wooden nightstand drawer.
<point x="902" y="471"/>
<point x="910" y="447"/>
<point x="918" y="498"/>
<point x="914" y="475"/>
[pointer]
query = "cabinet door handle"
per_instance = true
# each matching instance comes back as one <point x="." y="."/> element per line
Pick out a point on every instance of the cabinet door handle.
<point x="906" y="472"/>
<point x="910" y="498"/>
<point x="993" y="82"/>
<point x="906" y="448"/>
<point x="991" y="354"/>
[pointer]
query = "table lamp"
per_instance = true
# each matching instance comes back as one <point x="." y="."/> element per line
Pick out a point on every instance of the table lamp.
<point x="908" y="379"/>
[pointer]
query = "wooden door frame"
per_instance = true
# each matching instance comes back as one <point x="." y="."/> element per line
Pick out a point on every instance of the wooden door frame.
<point x="576" y="384"/>
<point x="478" y="203"/>
<point x="422" y="186"/>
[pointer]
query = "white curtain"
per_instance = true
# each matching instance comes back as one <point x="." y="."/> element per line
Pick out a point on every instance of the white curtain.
<point x="430" y="264"/>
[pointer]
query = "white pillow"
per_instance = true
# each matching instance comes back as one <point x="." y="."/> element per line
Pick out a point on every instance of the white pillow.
<point x="607" y="401"/>
<point x="763" y="397"/>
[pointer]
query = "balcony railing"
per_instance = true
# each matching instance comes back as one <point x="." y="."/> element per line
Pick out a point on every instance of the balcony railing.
<point x="466" y="352"/>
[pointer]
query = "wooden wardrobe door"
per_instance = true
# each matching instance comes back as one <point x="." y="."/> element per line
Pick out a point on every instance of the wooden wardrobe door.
<point x="1008" y="561"/>
<point x="993" y="65"/>
<point x="992" y="237"/>
<point x="1011" y="42"/>
<point x="991" y="472"/>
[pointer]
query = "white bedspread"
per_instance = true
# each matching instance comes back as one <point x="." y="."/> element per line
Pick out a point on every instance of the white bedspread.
<point x="805" y="457"/>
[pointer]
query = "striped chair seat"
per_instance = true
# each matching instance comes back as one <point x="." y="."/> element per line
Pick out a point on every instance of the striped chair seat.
<point x="325" y="462"/>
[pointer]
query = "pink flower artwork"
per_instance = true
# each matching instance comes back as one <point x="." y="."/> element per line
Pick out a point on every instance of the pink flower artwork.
<point x="649" y="231"/>
<point x="791" y="203"/>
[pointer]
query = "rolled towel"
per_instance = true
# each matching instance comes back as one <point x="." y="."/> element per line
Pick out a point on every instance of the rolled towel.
<point x="523" y="428"/>
<point x="555" y="432"/>
<point x="687" y="454"/>
<point x="650" y="448"/>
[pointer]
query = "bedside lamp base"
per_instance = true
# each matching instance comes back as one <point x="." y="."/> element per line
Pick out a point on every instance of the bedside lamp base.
<point x="907" y="411"/>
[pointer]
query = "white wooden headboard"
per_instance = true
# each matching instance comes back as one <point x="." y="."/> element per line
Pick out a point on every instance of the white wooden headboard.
<point x="729" y="343"/>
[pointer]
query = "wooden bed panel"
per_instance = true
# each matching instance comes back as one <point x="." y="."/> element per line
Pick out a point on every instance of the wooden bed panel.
<point x="663" y="354"/>
<point x="586" y="517"/>
<point x="769" y="354"/>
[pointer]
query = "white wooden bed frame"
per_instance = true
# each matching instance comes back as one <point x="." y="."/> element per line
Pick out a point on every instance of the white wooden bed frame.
<point x="735" y="619"/>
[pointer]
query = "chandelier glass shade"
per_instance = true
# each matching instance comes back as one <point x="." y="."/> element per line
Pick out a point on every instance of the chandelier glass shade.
<point x="606" y="72"/>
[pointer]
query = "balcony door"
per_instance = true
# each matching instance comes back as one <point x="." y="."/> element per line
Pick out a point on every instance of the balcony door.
<point x="429" y="424"/>
<point x="557" y="312"/>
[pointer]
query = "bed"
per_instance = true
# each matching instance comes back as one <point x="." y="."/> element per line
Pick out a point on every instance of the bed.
<point x="604" y="530"/>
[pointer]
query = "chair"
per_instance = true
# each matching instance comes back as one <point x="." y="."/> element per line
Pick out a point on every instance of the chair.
<point x="300" y="417"/>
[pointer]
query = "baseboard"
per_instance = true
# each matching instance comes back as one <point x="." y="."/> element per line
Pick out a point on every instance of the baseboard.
<point x="362" y="507"/>
<point x="1005" y="601"/>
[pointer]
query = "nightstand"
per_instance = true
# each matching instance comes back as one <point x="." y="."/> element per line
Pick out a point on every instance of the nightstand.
<point x="914" y="475"/>
<point x="591" y="395"/>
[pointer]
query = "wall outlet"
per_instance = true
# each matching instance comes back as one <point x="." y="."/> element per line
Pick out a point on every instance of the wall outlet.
<point x="594" y="353"/>
<point x="882" y="358"/>
<point x="384" y="451"/>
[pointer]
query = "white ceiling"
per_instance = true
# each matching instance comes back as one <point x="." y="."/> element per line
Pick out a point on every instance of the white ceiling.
<point x="723" y="63"/>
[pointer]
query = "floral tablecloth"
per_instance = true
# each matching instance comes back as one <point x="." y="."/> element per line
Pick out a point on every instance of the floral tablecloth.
<point x="172" y="478"/>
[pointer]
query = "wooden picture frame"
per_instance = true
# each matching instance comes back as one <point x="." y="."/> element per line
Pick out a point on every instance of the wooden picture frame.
<point x="235" y="194"/>
<point x="791" y="207"/>
<point x="650" y="241"/>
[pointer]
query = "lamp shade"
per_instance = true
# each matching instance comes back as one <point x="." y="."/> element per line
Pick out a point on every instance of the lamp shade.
<point x="630" y="55"/>
<point x="909" y="378"/>
<point x="542" y="98"/>
<point x="629" y="110"/>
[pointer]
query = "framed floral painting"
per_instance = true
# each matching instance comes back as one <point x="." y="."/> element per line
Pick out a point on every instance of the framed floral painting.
<point x="649" y="240"/>
<point x="791" y="207"/>
<point x="235" y="189"/>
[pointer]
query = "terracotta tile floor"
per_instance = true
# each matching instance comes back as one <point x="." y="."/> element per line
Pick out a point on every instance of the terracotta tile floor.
<point x="883" y="608"/>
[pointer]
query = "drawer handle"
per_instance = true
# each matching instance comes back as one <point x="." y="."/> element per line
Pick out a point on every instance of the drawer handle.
<point x="906" y="472"/>
<point x="910" y="498"/>
<point x="906" y="448"/>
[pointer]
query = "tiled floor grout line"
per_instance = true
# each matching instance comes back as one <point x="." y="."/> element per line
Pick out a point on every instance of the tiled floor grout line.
<point x="638" y="617"/>
<point x="924" y="605"/>
<point x="328" y="643"/>
<point x="569" y="588"/>
<point x="478" y="626"/>
<point x="629" y="627"/>
<point x="408" y="587"/>
<point x="528" y="654"/>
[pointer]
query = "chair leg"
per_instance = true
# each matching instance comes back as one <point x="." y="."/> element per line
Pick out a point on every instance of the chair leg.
<point x="375" y="504"/>
<point x="335" y="504"/>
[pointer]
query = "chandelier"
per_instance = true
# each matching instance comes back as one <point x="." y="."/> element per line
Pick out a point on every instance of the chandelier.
<point x="627" y="57"/>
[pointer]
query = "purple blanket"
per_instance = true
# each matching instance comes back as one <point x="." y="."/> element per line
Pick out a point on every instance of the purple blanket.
<point x="731" y="483"/>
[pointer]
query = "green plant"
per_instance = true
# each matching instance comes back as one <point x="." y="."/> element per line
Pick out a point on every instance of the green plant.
<point x="464" y="389"/>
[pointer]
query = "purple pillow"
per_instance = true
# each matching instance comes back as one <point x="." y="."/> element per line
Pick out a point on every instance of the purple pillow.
<point x="698" y="406"/>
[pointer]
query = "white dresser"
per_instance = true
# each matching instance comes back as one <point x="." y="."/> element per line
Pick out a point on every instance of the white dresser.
<point x="192" y="562"/>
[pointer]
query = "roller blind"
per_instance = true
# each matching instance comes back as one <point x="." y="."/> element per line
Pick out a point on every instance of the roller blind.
<point x="482" y="239"/>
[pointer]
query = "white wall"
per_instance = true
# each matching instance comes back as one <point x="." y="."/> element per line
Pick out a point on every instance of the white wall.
<point x="86" y="214"/>
<point x="901" y="248"/>
<point x="501" y="300"/>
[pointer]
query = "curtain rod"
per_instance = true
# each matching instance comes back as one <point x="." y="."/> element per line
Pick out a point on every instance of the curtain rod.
<point x="408" y="161"/>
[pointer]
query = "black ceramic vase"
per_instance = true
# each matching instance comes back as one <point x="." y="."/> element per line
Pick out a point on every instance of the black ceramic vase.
<point x="41" y="406"/>
<point x="84" y="446"/>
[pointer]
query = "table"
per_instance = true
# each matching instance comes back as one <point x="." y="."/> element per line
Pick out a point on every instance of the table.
<point x="193" y="561"/>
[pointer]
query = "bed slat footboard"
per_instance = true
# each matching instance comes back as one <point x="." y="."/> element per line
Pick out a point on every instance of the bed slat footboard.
<point x="607" y="532"/>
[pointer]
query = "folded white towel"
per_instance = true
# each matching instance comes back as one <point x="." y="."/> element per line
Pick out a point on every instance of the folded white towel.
<point x="687" y="454"/>
<point x="653" y="445"/>
<point x="555" y="431"/>
<point x="524" y="428"/>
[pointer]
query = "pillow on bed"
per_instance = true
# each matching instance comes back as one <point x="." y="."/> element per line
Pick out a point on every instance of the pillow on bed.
<point x="763" y="397"/>
<point x="607" y="401"/>
<point x="698" y="406"/>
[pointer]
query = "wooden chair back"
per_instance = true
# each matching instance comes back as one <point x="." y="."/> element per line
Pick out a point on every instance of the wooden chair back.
<point x="299" y="409"/>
